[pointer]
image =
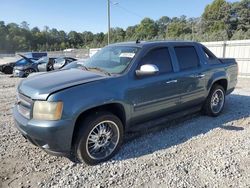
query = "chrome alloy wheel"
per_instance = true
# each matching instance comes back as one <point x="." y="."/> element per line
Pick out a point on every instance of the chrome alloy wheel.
<point x="102" y="140"/>
<point x="217" y="101"/>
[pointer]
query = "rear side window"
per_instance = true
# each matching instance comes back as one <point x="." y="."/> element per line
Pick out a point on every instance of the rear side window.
<point x="187" y="57"/>
<point x="161" y="58"/>
<point x="211" y="59"/>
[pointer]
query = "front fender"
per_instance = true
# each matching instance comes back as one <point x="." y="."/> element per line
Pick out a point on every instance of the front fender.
<point x="125" y="107"/>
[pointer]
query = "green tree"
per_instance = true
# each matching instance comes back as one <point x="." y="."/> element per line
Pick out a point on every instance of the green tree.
<point x="74" y="39"/>
<point x="99" y="39"/>
<point x="117" y="35"/>
<point x="178" y="28"/>
<point x="241" y="13"/>
<point x="3" y="36"/>
<point x="130" y="33"/>
<point x="217" y="17"/>
<point x="147" y="29"/>
<point x="87" y="38"/>
<point x="221" y="20"/>
<point x="241" y="35"/>
<point x="24" y="25"/>
<point x="162" y="25"/>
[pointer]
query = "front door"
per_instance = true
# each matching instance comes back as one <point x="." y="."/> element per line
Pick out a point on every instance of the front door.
<point x="152" y="96"/>
<point x="42" y="64"/>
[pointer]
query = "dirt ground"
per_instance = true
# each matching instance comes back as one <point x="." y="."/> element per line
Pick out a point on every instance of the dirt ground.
<point x="198" y="151"/>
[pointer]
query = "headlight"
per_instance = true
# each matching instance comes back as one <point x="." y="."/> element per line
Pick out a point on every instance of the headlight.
<point x="44" y="110"/>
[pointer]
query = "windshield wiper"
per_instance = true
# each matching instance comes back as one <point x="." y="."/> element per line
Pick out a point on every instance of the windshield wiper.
<point x="84" y="67"/>
<point x="99" y="70"/>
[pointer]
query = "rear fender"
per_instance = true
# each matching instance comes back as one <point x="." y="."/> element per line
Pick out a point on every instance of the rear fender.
<point x="221" y="75"/>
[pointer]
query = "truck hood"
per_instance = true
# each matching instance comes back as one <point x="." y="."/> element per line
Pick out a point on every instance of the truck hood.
<point x="42" y="85"/>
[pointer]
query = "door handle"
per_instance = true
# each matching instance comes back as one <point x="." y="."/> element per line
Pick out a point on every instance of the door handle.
<point x="171" y="81"/>
<point x="198" y="76"/>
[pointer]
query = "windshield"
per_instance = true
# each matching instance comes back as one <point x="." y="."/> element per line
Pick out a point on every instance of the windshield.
<point x="60" y="60"/>
<point x="22" y="61"/>
<point x="43" y="60"/>
<point x="112" y="59"/>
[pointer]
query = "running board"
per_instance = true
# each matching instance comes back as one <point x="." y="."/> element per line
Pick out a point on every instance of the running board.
<point x="164" y="119"/>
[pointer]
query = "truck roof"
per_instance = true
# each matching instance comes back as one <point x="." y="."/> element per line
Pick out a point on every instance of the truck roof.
<point x="153" y="43"/>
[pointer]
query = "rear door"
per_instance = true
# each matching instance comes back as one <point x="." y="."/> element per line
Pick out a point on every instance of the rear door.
<point x="191" y="75"/>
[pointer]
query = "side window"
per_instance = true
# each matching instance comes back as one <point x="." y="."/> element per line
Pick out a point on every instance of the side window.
<point x="211" y="59"/>
<point x="187" y="57"/>
<point x="161" y="58"/>
<point x="69" y="60"/>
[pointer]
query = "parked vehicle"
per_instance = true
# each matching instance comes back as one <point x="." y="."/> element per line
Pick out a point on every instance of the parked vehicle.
<point x="75" y="64"/>
<point x="62" y="62"/>
<point x="83" y="113"/>
<point x="25" y="59"/>
<point x="42" y="65"/>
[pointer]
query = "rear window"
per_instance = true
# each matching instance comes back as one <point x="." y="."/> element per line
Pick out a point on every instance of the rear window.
<point x="187" y="57"/>
<point x="211" y="59"/>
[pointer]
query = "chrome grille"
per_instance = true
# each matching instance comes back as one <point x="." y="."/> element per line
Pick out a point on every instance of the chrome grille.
<point x="24" y="105"/>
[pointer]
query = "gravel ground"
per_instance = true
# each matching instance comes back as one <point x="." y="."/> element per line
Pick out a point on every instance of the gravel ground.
<point x="4" y="60"/>
<point x="196" y="151"/>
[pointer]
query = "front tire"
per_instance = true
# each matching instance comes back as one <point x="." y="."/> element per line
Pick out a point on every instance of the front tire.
<point x="7" y="69"/>
<point x="28" y="71"/>
<point x="215" y="101"/>
<point x="99" y="138"/>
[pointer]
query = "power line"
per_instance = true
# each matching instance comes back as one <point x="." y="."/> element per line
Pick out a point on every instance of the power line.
<point x="125" y="9"/>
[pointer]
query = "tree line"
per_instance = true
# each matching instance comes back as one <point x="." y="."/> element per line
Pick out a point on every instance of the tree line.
<point x="221" y="20"/>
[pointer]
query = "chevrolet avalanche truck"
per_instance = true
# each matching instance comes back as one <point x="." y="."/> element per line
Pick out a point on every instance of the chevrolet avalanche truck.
<point x="82" y="113"/>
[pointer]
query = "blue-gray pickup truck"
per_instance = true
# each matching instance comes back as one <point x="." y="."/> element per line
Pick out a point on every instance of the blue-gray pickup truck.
<point x="82" y="113"/>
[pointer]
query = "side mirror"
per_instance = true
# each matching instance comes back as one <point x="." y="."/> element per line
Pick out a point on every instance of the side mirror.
<point x="147" y="70"/>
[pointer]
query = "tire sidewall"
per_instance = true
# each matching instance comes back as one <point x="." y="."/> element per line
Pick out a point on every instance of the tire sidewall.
<point x="213" y="90"/>
<point x="86" y="127"/>
<point x="7" y="70"/>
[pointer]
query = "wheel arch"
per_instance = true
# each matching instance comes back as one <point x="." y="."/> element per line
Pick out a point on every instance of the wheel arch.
<point x="117" y="109"/>
<point x="222" y="82"/>
<point x="220" y="79"/>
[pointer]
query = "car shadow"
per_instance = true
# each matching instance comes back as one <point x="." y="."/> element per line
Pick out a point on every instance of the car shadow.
<point x="179" y="131"/>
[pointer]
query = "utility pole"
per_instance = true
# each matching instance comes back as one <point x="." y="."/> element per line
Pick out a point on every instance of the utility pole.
<point x="108" y="21"/>
<point x="192" y="31"/>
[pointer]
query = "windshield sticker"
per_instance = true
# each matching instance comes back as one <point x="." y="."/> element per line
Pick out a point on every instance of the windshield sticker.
<point x="129" y="55"/>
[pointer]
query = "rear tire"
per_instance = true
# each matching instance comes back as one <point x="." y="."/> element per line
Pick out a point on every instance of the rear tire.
<point x="99" y="138"/>
<point x="7" y="70"/>
<point x="215" y="101"/>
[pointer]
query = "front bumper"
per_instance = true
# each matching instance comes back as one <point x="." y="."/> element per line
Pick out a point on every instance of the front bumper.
<point x="18" y="73"/>
<point x="52" y="136"/>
